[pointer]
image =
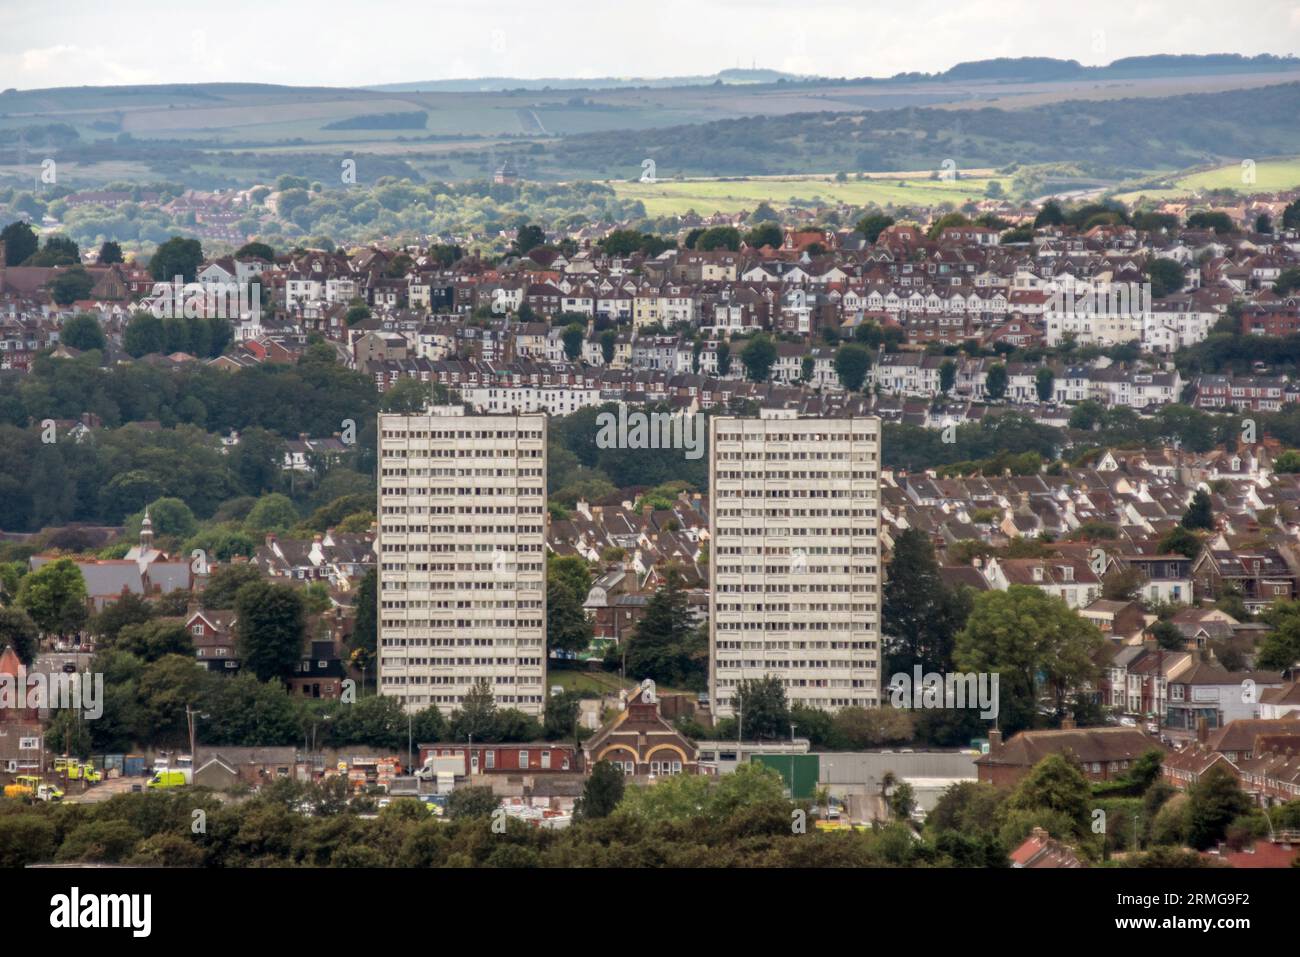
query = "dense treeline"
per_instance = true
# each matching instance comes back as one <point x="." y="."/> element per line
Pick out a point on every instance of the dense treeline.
<point x="737" y="820"/>
<point x="146" y="656"/>
<point x="1132" y="134"/>
<point x="383" y="203"/>
<point x="1229" y="352"/>
<point x="110" y="474"/>
<point x="312" y="396"/>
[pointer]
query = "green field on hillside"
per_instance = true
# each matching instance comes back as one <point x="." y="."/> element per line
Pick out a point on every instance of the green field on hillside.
<point x="668" y="198"/>
<point x="1270" y="176"/>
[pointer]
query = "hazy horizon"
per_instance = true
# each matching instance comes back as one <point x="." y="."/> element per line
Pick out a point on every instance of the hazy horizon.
<point x="76" y="43"/>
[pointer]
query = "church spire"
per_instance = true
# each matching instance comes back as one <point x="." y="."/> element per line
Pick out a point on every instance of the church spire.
<point x="146" y="531"/>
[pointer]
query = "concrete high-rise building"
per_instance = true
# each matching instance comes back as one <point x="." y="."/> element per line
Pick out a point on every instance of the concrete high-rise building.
<point x="794" y="558"/>
<point x="462" y="561"/>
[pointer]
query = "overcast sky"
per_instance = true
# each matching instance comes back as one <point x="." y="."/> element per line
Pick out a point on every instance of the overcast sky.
<point x="46" y="43"/>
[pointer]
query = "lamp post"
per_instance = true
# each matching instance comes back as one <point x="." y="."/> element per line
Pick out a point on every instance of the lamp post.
<point x="192" y="718"/>
<point x="792" y="727"/>
<point x="316" y="721"/>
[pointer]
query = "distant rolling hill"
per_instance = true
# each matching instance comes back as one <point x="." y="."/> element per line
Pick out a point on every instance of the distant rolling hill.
<point x="497" y="84"/>
<point x="1131" y="116"/>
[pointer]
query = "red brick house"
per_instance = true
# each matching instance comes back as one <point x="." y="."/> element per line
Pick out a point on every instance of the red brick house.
<point x="1041" y="850"/>
<point x="536" y="757"/>
<point x="641" y="741"/>
<point x="213" y="634"/>
<point x="1102" y="754"/>
<point x="319" y="673"/>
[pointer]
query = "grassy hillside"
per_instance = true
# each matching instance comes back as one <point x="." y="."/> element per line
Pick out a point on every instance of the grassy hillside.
<point x="666" y="198"/>
<point x="1127" y="134"/>
<point x="222" y="135"/>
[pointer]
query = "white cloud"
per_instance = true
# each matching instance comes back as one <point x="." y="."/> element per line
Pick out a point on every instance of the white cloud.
<point x="71" y="65"/>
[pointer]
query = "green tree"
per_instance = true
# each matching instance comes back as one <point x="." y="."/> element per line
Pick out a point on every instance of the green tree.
<point x="224" y="584"/>
<point x="83" y="332"/>
<point x="758" y="356"/>
<point x="18" y="631"/>
<point x="902" y="800"/>
<point x="1290" y="216"/>
<point x="269" y="626"/>
<point x="719" y="237"/>
<point x="70" y="285"/>
<point x="664" y="646"/>
<point x="255" y="250"/>
<point x="560" y="717"/>
<point x="573" y="336"/>
<point x="472" y="802"/>
<point x="750" y="785"/>
<point x="602" y="792"/>
<point x="995" y="381"/>
<point x="272" y="513"/>
<point x="1049" y="215"/>
<point x="764" y="712"/>
<point x="258" y="460"/>
<point x="944" y="222"/>
<point x="109" y="253"/>
<point x="920" y="614"/>
<point x="365" y="629"/>
<point x="143" y="334"/>
<point x="153" y="640"/>
<point x="947" y="376"/>
<point x="1287" y="282"/>
<point x="873" y="224"/>
<point x="1200" y="512"/>
<point x="1166" y="277"/>
<point x="54" y="595"/>
<point x="20" y="243"/>
<point x="176" y="257"/>
<point x="170" y="518"/>
<point x="1057" y="785"/>
<point x="407" y="395"/>
<point x="856" y="729"/>
<point x="852" y="362"/>
<point x="529" y="238"/>
<point x="568" y="580"/>
<point x="1181" y="541"/>
<point x="477" y="715"/>
<point x="1027" y="636"/>
<point x="968" y="808"/>
<point x="1045" y="383"/>
<point x="1217" y="221"/>
<point x="677" y="797"/>
<point x="1280" y="649"/>
<point x="767" y="234"/>
<point x="1214" y="802"/>
<point x="1168" y="636"/>
<point x="129" y="609"/>
<point x="57" y="251"/>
